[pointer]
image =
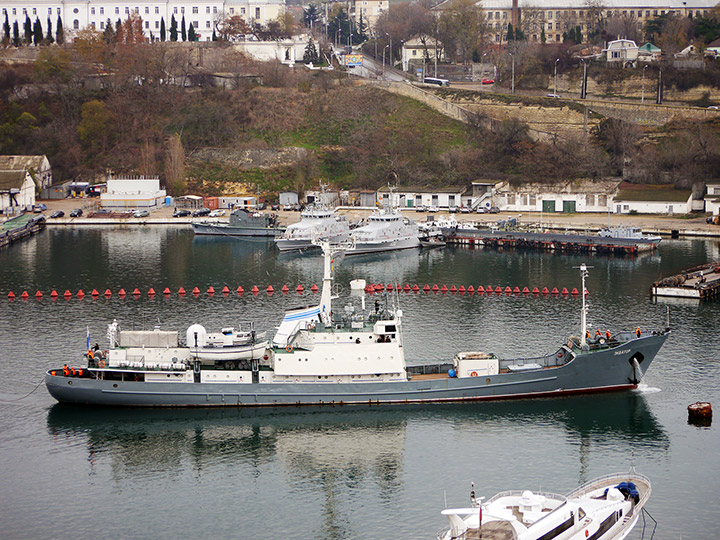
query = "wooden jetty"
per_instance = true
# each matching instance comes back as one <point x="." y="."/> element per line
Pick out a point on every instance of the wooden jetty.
<point x="20" y="227"/>
<point x="698" y="282"/>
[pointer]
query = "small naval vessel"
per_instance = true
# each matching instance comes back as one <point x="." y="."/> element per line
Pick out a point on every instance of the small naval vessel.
<point x="606" y="508"/>
<point x="322" y="355"/>
<point x="242" y="223"/>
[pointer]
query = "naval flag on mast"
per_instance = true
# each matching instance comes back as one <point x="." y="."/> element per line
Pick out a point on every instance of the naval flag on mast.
<point x="87" y="343"/>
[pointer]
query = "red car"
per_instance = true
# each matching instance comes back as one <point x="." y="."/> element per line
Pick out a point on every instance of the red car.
<point x="488" y="81"/>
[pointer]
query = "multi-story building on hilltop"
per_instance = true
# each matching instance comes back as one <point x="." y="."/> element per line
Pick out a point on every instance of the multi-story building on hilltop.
<point x="77" y="15"/>
<point x="556" y="17"/>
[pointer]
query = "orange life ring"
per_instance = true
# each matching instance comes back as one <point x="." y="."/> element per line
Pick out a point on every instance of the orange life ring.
<point x="473" y="374"/>
<point x="289" y="348"/>
<point x="101" y="364"/>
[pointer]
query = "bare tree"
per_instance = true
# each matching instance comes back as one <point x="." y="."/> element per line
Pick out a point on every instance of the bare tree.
<point x="175" y="166"/>
<point x="148" y="160"/>
<point x="623" y="26"/>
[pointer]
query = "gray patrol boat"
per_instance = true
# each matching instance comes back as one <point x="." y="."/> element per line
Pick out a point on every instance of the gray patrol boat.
<point x="242" y="223"/>
<point x="321" y="356"/>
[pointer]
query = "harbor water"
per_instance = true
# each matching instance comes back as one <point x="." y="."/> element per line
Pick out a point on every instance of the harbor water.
<point x="339" y="473"/>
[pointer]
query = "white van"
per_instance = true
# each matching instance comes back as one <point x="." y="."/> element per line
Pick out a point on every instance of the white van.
<point x="438" y="82"/>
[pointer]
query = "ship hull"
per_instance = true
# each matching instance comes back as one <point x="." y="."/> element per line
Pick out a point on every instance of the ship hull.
<point x="390" y="245"/>
<point x="220" y="229"/>
<point x="285" y="244"/>
<point x="593" y="371"/>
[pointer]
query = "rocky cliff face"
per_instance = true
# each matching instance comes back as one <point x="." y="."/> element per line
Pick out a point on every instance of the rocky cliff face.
<point x="251" y="158"/>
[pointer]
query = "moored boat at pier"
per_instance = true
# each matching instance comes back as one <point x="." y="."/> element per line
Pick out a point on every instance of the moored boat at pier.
<point x="349" y="355"/>
<point x="242" y="223"/>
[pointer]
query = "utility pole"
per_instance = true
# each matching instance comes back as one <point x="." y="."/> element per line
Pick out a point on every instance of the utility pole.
<point x="512" y="88"/>
<point x="555" y="89"/>
<point x="642" y="92"/>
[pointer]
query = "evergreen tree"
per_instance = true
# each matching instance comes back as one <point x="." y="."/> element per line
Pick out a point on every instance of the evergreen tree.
<point x="543" y="38"/>
<point x="214" y="36"/>
<point x="510" y="33"/>
<point x="16" y="34"/>
<point x="109" y="35"/>
<point x="311" y="55"/>
<point x="28" y="30"/>
<point x="191" y="33"/>
<point x="49" y="36"/>
<point x="6" y="29"/>
<point x="183" y="32"/>
<point x="162" y="29"/>
<point x="152" y="37"/>
<point x="173" y="29"/>
<point x="37" y="32"/>
<point x="578" y="34"/>
<point x="59" y="33"/>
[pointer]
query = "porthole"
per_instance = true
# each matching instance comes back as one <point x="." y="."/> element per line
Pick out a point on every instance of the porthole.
<point x="114" y="385"/>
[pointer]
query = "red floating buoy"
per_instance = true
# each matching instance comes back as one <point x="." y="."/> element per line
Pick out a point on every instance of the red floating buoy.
<point x="415" y="288"/>
<point x="151" y="292"/>
<point x="284" y="289"/>
<point x="166" y="291"/>
<point x="516" y="290"/>
<point x="11" y="295"/>
<point x="254" y="289"/>
<point x="53" y="294"/>
<point x="435" y="288"/>
<point x="122" y="293"/>
<point x="444" y="288"/>
<point x="270" y="289"/>
<point x="407" y="287"/>
<point x="67" y="293"/>
<point x="225" y="290"/>
<point x="108" y="294"/>
<point x="555" y="290"/>
<point x="181" y="291"/>
<point x="536" y="290"/>
<point x="574" y="292"/>
<point x="480" y="289"/>
<point x="80" y="294"/>
<point x="700" y="413"/>
<point x="389" y="287"/>
<point x="299" y="289"/>
<point x="461" y="289"/>
<point x="211" y="290"/>
<point x="196" y="290"/>
<point x="314" y="288"/>
<point x="94" y="293"/>
<point x="379" y="287"/>
<point x="587" y="292"/>
<point x="240" y="290"/>
<point x="426" y="288"/>
<point x="38" y="294"/>
<point x="498" y="289"/>
<point x="453" y="289"/>
<point x="470" y="289"/>
<point x="526" y="290"/>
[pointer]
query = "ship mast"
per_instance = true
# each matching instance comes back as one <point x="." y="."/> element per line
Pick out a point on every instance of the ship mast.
<point x="583" y="312"/>
<point x="329" y="257"/>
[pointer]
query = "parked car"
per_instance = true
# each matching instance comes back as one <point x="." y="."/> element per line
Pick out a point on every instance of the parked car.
<point x="482" y="210"/>
<point x="553" y="95"/>
<point x="217" y="213"/>
<point x="201" y="212"/>
<point x="103" y="212"/>
<point x="420" y="208"/>
<point x="275" y="207"/>
<point x="57" y="214"/>
<point x="433" y="209"/>
<point x="453" y="209"/>
<point x="141" y="213"/>
<point x="261" y="206"/>
<point x="77" y="212"/>
<point x="181" y="212"/>
<point x="465" y="209"/>
<point x="39" y="208"/>
<point x="494" y="210"/>
<point x="488" y="81"/>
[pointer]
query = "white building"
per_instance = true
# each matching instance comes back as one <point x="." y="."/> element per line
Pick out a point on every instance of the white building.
<point x="622" y="51"/>
<point x="370" y="10"/>
<point x="37" y="166"/>
<point x="565" y="197"/>
<point x="133" y="193"/>
<point x="652" y="199"/>
<point x="201" y="14"/>
<point x="419" y="51"/>
<point x="712" y="199"/>
<point x="555" y="17"/>
<point x="17" y="191"/>
<point x="412" y="197"/>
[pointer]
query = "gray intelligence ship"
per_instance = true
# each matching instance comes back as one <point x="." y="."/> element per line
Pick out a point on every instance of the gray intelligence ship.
<point x="348" y="355"/>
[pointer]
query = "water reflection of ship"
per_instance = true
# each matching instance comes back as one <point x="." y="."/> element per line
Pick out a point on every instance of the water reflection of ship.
<point x="301" y="435"/>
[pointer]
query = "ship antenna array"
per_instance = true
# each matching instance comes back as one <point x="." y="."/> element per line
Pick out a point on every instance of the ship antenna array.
<point x="583" y="313"/>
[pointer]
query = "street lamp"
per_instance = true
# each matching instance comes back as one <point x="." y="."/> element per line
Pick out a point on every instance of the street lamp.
<point x="555" y="90"/>
<point x="583" y="85"/>
<point x="385" y="47"/>
<point x="642" y="92"/>
<point x="512" y="88"/>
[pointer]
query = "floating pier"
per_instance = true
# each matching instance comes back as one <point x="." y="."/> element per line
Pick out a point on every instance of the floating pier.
<point x="544" y="241"/>
<point x="698" y="282"/>
<point x="20" y="227"/>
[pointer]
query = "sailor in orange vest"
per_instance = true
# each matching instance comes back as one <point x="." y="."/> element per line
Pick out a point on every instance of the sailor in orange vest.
<point x="637" y="331"/>
<point x="607" y="335"/>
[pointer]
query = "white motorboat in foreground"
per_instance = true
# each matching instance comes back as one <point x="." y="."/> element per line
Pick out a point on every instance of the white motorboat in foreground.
<point x="606" y="508"/>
